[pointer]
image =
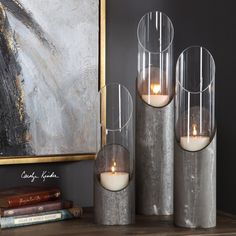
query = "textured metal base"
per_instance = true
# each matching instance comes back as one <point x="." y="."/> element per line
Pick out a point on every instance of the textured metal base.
<point x="154" y="158"/>
<point x="195" y="187"/>
<point x="114" y="208"/>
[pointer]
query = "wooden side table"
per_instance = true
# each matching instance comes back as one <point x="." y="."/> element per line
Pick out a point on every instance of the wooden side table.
<point x="145" y="225"/>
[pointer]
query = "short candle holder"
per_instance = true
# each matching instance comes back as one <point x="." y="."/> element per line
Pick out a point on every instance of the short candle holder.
<point x="195" y="143"/>
<point x="155" y="115"/>
<point x="114" y="178"/>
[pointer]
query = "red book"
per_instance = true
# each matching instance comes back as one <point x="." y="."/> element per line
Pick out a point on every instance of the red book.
<point x="37" y="208"/>
<point x="21" y="196"/>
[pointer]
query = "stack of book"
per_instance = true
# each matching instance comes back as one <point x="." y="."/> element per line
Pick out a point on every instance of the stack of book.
<point x="34" y="205"/>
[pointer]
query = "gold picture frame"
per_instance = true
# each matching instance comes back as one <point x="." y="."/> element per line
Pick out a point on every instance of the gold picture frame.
<point x="12" y="160"/>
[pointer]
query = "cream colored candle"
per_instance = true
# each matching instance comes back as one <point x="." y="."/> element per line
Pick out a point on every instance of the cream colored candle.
<point x="113" y="180"/>
<point x="194" y="142"/>
<point x="155" y="99"/>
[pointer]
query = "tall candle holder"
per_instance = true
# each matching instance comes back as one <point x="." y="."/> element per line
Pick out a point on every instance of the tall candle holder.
<point x="114" y="164"/>
<point x="155" y="115"/>
<point x="195" y="143"/>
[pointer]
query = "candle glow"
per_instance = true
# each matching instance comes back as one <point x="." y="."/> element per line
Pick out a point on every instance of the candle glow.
<point x="156" y="88"/>
<point x="156" y="99"/>
<point x="194" y="142"/>
<point x="194" y="130"/>
<point x="113" y="168"/>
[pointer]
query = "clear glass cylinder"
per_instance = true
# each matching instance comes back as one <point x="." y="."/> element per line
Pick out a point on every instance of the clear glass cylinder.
<point x="195" y="98"/>
<point x="155" y="34"/>
<point x="115" y="149"/>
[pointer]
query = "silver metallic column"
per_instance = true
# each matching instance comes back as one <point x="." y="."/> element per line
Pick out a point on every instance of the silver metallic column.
<point x="114" y="208"/>
<point x="114" y="196"/>
<point x="154" y="115"/>
<point x="195" y="187"/>
<point x="154" y="158"/>
<point x="195" y="140"/>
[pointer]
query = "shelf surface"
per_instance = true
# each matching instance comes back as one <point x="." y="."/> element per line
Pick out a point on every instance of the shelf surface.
<point x="145" y="225"/>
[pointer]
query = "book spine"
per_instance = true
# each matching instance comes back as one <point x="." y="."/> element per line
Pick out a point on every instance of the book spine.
<point x="17" y="221"/>
<point x="33" y="198"/>
<point x="32" y="209"/>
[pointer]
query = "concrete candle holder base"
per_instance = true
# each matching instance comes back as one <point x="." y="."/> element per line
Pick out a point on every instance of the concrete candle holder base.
<point x="114" y="208"/>
<point x="195" y="187"/>
<point x="154" y="158"/>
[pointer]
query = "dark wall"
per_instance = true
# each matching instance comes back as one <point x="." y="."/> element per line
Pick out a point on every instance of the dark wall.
<point x="75" y="178"/>
<point x="211" y="24"/>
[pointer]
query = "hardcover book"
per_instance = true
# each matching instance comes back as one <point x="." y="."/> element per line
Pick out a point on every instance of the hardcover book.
<point x="51" y="216"/>
<point x="36" y="208"/>
<point x="21" y="196"/>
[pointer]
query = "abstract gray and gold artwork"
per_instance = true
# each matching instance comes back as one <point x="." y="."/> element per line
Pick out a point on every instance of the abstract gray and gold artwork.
<point x="48" y="76"/>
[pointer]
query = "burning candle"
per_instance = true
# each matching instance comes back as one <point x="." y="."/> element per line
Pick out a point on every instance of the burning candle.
<point x="194" y="142"/>
<point x="114" y="180"/>
<point x="156" y="99"/>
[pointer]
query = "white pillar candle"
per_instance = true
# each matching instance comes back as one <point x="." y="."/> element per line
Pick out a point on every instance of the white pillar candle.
<point x="156" y="100"/>
<point x="114" y="181"/>
<point x="194" y="143"/>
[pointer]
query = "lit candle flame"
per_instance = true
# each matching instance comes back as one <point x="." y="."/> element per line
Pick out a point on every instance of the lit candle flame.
<point x="194" y="130"/>
<point x="113" y="168"/>
<point x="156" y="88"/>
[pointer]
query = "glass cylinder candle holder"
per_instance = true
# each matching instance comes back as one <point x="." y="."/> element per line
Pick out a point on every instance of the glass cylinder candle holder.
<point x="195" y="149"/>
<point x="114" y="187"/>
<point x="155" y="58"/>
<point x="155" y="115"/>
<point x="195" y="99"/>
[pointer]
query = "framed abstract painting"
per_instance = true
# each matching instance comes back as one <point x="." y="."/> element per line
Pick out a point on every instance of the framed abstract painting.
<point x="52" y="64"/>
